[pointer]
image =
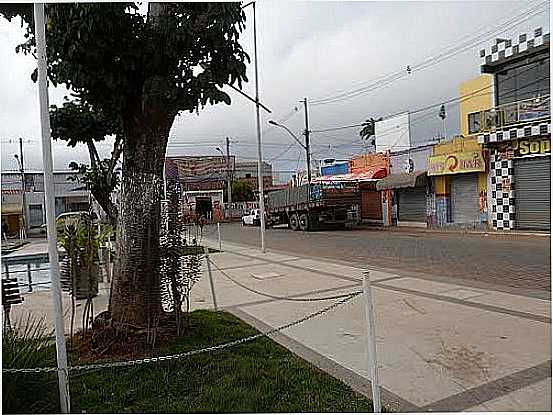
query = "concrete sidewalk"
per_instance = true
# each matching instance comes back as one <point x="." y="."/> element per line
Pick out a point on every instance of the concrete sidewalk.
<point x="441" y="346"/>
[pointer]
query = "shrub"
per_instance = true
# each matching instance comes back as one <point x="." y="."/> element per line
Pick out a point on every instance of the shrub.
<point x="28" y="345"/>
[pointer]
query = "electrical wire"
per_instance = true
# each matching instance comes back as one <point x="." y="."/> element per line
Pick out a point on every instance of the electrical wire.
<point x="447" y="103"/>
<point x="430" y="61"/>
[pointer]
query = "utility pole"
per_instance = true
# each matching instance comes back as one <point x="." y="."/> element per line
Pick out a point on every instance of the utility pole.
<point x="307" y="149"/>
<point x="259" y="148"/>
<point x="229" y="177"/>
<point x="19" y="159"/>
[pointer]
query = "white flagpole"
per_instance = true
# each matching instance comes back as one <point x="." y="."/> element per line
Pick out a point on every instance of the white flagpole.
<point x="49" y="196"/>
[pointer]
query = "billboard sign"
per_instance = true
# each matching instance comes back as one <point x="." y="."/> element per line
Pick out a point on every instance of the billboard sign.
<point x="393" y="134"/>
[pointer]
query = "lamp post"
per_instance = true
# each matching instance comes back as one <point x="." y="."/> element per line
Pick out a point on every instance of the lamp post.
<point x="258" y="124"/>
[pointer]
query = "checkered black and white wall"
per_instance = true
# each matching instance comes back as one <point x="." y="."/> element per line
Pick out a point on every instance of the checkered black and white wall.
<point x="513" y="133"/>
<point x="503" y="198"/>
<point x="505" y="48"/>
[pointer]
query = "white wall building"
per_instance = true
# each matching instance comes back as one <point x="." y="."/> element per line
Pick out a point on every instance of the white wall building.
<point x="70" y="196"/>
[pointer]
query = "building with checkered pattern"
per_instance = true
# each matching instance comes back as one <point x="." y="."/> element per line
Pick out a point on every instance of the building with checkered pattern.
<point x="516" y="131"/>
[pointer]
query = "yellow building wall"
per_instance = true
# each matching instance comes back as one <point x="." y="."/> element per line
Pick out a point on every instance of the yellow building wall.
<point x="457" y="145"/>
<point x="441" y="187"/>
<point x="482" y="87"/>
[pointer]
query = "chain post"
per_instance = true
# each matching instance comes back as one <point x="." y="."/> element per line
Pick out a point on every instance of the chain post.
<point x="371" y="342"/>
<point x="211" y="285"/>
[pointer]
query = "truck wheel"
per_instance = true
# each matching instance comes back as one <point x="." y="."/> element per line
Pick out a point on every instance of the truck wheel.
<point x="294" y="222"/>
<point x="304" y="222"/>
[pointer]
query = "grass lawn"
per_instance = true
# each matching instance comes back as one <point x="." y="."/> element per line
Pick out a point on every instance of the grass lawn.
<point x="259" y="376"/>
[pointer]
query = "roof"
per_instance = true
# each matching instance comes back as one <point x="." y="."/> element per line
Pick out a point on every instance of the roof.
<point x="401" y="180"/>
<point x="369" y="175"/>
<point x="11" y="209"/>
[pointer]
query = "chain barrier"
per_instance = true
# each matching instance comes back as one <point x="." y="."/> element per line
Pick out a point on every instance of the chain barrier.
<point x="185" y="354"/>
<point x="276" y="297"/>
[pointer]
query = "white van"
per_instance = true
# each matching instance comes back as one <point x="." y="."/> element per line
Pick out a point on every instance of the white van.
<point x="253" y="217"/>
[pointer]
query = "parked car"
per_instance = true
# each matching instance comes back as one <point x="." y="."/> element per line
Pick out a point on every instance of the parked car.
<point x="253" y="217"/>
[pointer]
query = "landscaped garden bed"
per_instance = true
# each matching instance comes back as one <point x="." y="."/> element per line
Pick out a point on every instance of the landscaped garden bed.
<point x="256" y="376"/>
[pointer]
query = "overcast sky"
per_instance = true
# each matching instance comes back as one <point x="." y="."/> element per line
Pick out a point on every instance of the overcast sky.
<point x="306" y="49"/>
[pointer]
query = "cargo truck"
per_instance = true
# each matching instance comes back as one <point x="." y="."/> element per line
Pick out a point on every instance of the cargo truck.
<point x="310" y="207"/>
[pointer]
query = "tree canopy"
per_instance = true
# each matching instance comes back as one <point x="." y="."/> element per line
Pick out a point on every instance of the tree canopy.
<point x="118" y="62"/>
<point x="242" y="191"/>
<point x="130" y="73"/>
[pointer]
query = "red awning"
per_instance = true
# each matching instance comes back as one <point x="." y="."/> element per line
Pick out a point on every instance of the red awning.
<point x="367" y="176"/>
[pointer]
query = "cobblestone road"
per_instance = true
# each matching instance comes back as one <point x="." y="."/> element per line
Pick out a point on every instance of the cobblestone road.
<point x="516" y="263"/>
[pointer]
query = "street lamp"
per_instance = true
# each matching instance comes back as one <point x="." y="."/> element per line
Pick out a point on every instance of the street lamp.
<point x="258" y="125"/>
<point x="304" y="146"/>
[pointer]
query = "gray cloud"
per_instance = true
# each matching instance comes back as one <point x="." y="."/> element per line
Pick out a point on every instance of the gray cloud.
<point x="312" y="49"/>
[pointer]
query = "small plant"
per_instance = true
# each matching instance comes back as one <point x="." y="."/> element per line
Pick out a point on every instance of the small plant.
<point x="28" y="344"/>
<point x="80" y="270"/>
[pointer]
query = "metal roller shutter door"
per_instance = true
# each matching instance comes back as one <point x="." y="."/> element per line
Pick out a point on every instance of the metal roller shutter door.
<point x="412" y="205"/>
<point x="465" y="199"/>
<point x="532" y="185"/>
<point x="371" y="206"/>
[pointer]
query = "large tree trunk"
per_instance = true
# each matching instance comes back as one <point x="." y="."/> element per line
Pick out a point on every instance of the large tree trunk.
<point x="136" y="297"/>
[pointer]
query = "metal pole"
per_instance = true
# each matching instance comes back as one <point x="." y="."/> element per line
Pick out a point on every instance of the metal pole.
<point x="219" y="234"/>
<point x="308" y="152"/>
<point x="23" y="186"/>
<point x="259" y="149"/>
<point x="63" y="378"/>
<point x="29" y="277"/>
<point x="229" y="178"/>
<point x="371" y="341"/>
<point x="209" y="274"/>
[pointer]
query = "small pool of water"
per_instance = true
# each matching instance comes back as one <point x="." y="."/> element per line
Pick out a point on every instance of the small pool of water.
<point x="32" y="276"/>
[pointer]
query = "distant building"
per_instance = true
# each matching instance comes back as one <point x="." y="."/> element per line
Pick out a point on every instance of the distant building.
<point x="202" y="172"/>
<point x="204" y="179"/>
<point x="247" y="170"/>
<point x="70" y="196"/>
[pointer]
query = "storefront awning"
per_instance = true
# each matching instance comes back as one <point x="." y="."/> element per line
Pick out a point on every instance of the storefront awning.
<point x="11" y="209"/>
<point x="402" y="180"/>
<point x="367" y="176"/>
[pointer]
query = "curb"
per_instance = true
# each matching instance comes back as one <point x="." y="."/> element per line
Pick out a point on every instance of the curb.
<point x="407" y="229"/>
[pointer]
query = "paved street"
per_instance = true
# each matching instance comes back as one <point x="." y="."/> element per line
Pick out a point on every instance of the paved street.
<point x="513" y="263"/>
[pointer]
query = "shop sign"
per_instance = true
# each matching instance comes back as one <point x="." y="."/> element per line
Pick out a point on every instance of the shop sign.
<point x="525" y="147"/>
<point x="532" y="109"/>
<point x="462" y="162"/>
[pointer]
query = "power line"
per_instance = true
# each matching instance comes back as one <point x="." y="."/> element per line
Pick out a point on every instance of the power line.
<point x="455" y="100"/>
<point x="453" y="50"/>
